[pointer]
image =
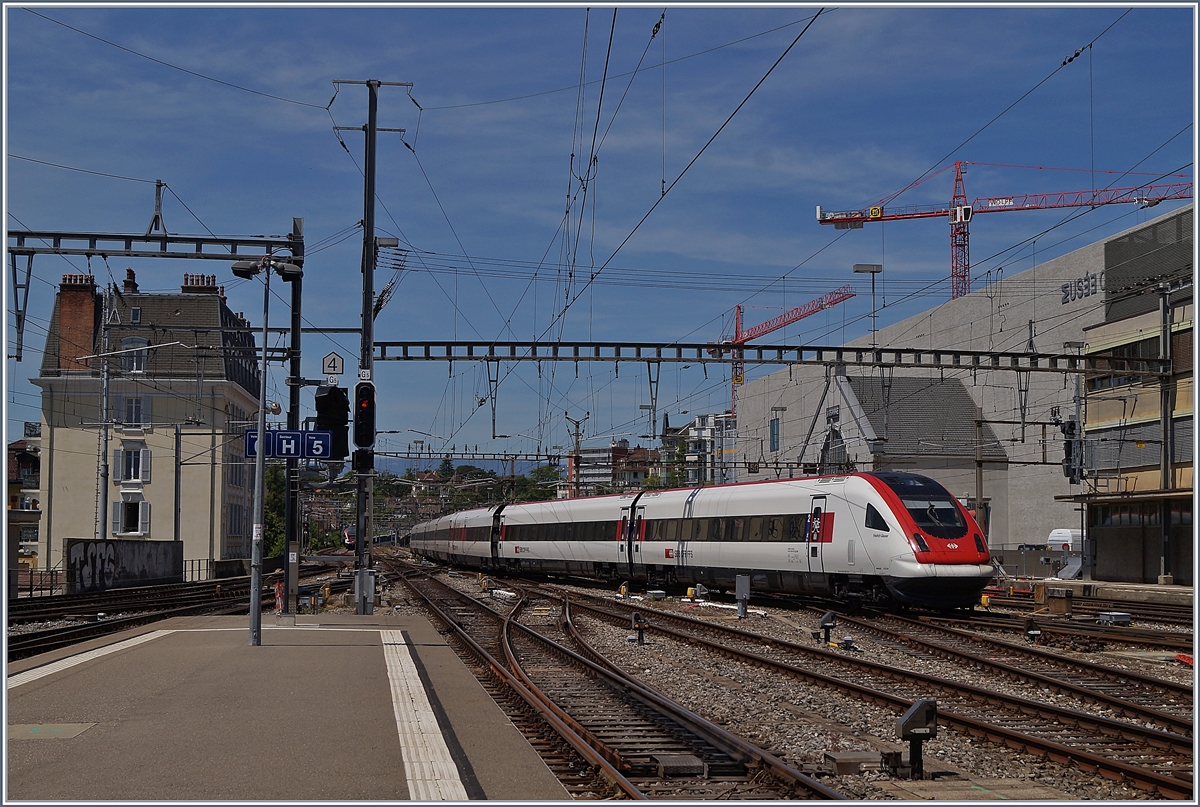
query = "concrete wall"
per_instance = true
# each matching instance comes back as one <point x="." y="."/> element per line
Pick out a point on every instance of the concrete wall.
<point x="102" y="565"/>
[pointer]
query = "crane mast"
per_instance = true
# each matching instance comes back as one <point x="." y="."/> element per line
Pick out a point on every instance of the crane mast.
<point x="959" y="213"/>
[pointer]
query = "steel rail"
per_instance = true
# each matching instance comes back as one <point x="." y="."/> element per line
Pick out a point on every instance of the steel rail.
<point x="1170" y="786"/>
<point x="735" y="745"/>
<point x="729" y="744"/>
<point x="1174" y="723"/>
<point x="24" y="645"/>
<point x="514" y="665"/>
<point x="608" y="771"/>
<point x="1016" y="624"/>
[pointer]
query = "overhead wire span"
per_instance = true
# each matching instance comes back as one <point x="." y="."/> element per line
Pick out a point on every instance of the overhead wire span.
<point x="690" y="164"/>
<point x="704" y="52"/>
<point x="1000" y="114"/>
<point x="177" y="67"/>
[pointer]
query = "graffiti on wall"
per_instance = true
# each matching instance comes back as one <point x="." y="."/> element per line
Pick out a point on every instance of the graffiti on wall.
<point x="102" y="565"/>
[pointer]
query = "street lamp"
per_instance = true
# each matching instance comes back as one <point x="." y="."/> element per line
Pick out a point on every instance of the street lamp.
<point x="247" y="270"/>
<point x="872" y="269"/>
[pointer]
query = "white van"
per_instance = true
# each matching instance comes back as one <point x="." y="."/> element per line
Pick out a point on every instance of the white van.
<point x="1066" y="540"/>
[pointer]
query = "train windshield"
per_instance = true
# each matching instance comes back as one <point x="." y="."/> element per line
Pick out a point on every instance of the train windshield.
<point x="931" y="506"/>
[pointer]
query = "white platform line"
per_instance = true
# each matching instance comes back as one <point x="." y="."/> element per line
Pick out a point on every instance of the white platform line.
<point x="70" y="661"/>
<point x="431" y="772"/>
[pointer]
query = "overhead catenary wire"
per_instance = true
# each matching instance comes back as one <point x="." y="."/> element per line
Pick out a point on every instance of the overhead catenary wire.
<point x="175" y="66"/>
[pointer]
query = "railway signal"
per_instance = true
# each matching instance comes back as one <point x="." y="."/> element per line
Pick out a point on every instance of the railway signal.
<point x="1072" y="451"/>
<point x="364" y="414"/>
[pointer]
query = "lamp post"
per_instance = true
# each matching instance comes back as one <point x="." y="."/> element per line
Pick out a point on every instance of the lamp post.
<point x="288" y="271"/>
<point x="872" y="269"/>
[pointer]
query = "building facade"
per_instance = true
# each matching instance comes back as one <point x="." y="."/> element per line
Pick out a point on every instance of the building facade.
<point x="711" y="455"/>
<point x="1052" y="307"/>
<point x="24" y="497"/>
<point x="1138" y="436"/>
<point x="153" y="391"/>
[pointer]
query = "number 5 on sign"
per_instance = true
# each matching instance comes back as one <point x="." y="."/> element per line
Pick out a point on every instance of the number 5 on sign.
<point x="318" y="445"/>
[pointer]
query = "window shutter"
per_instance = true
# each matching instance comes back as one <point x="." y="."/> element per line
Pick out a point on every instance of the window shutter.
<point x="116" y="517"/>
<point x="146" y="410"/>
<point x="117" y="409"/>
<point x="145" y="465"/>
<point x="116" y="471"/>
<point x="144" y="517"/>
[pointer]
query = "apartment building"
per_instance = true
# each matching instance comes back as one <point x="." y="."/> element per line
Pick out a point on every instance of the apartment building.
<point x="152" y="391"/>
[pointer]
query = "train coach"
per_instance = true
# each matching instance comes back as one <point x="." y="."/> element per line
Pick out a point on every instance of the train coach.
<point x="868" y="537"/>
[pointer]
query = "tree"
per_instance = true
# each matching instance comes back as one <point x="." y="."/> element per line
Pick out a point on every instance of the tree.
<point x="274" y="498"/>
<point x="546" y="474"/>
<point x="538" y="486"/>
<point x="446" y="469"/>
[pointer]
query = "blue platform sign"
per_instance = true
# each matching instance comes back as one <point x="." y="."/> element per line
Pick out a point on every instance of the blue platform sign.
<point x="289" y="444"/>
<point x="318" y="445"/>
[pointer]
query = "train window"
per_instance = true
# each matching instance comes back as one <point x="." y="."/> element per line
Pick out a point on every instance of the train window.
<point x="875" y="521"/>
<point x="797" y="528"/>
<point x="716" y="529"/>
<point x="774" y="525"/>
<point x="655" y="530"/>
<point x="668" y="529"/>
<point x="938" y="516"/>
<point x="753" y="529"/>
<point x="735" y="529"/>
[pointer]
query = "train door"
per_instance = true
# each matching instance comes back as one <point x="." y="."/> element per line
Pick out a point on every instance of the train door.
<point x="815" y="532"/>
<point x="497" y="527"/>
<point x="629" y="547"/>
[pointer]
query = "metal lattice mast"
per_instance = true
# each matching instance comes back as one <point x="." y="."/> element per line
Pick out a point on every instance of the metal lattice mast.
<point x="960" y="238"/>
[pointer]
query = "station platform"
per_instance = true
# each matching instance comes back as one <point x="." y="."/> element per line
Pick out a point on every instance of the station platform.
<point x="330" y="708"/>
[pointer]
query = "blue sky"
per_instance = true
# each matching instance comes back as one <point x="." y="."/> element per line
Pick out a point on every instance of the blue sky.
<point x="867" y="101"/>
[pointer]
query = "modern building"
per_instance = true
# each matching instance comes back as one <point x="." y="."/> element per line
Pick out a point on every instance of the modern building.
<point x="145" y="398"/>
<point x="711" y="454"/>
<point x="1138" y="431"/>
<point x="919" y="420"/>
<point x="607" y="469"/>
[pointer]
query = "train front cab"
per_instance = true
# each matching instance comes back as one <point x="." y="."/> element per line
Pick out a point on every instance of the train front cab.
<point x="949" y="564"/>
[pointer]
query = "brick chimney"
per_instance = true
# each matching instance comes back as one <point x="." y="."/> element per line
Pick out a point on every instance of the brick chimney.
<point x="130" y="286"/>
<point x="200" y="284"/>
<point x="78" y="319"/>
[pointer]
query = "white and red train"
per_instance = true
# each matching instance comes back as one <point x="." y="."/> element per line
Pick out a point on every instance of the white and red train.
<point x="874" y="537"/>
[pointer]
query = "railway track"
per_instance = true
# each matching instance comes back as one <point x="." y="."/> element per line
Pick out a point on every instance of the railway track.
<point x="1156" y="702"/>
<point x="23" y="645"/>
<point x="1148" y="758"/>
<point x="66" y="606"/>
<point x="137" y="607"/>
<point x="649" y="745"/>
<point x="1165" y="613"/>
<point x="1077" y="635"/>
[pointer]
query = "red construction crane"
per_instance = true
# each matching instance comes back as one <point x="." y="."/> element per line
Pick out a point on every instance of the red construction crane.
<point x="959" y="213"/>
<point x="741" y="337"/>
